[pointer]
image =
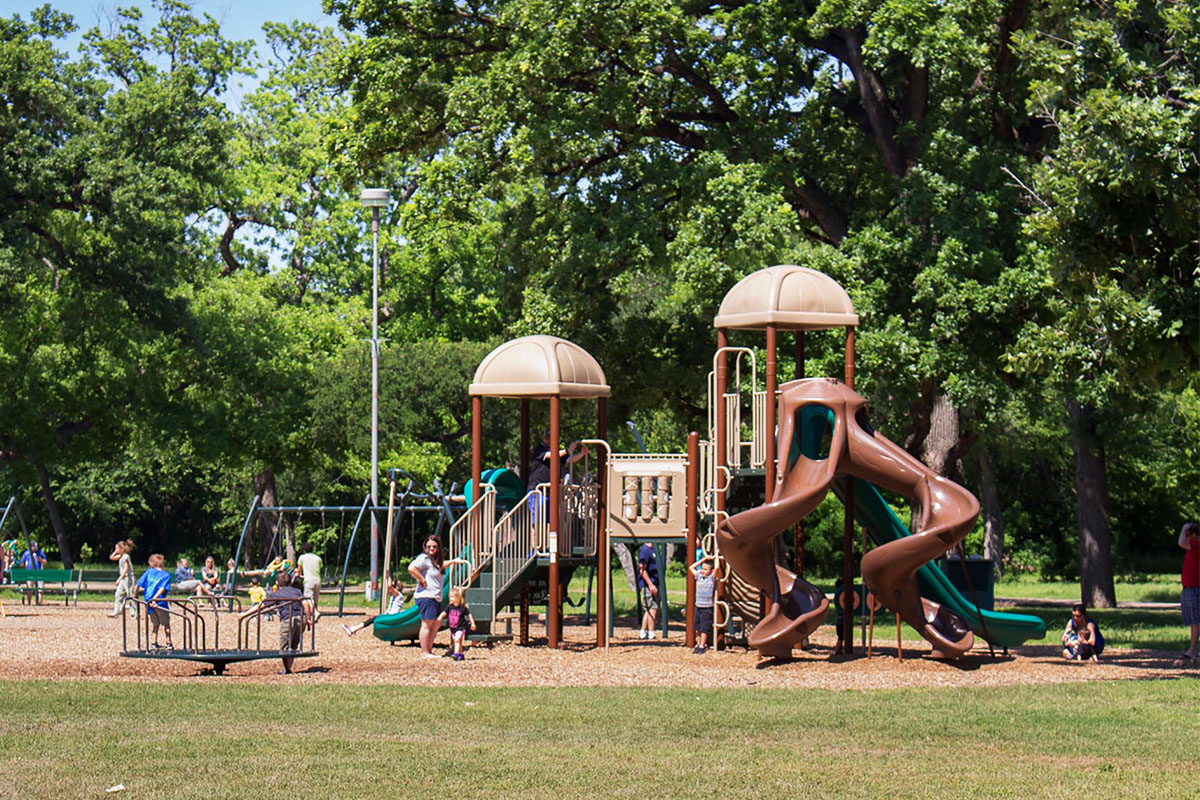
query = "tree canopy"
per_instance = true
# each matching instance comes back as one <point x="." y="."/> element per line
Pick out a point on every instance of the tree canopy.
<point x="1008" y="190"/>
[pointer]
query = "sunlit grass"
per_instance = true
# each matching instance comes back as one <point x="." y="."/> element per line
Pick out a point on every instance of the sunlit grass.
<point x="213" y="739"/>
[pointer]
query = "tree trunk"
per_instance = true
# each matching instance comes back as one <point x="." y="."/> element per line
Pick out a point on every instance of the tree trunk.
<point x="64" y="546"/>
<point x="993" y="521"/>
<point x="627" y="564"/>
<point x="936" y="439"/>
<point x="1091" y="508"/>
<point x="265" y="525"/>
<point x="941" y="441"/>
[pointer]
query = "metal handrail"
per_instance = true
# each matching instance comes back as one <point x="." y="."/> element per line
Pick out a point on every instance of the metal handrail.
<point x="273" y="606"/>
<point x="517" y="539"/>
<point x="471" y="538"/>
<point x="188" y="614"/>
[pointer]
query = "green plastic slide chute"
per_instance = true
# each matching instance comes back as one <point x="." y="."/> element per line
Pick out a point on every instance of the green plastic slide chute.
<point x="405" y="624"/>
<point x="510" y="489"/>
<point x="1000" y="628"/>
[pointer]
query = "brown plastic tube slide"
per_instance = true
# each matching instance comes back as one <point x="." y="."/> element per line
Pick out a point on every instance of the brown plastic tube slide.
<point x="946" y="513"/>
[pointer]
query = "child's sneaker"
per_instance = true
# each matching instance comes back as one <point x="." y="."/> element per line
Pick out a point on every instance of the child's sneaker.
<point x="642" y="634"/>
<point x="349" y="631"/>
<point x="458" y="656"/>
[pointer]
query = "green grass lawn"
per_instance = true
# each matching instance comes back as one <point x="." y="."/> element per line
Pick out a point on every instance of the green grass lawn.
<point x="208" y="739"/>
<point x="1141" y="588"/>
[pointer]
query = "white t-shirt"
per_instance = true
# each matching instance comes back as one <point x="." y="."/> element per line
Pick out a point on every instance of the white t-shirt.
<point x="395" y="604"/>
<point x="310" y="566"/>
<point x="125" y="564"/>
<point x="432" y="576"/>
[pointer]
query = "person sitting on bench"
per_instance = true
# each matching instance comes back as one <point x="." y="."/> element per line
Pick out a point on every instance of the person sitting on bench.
<point x="34" y="558"/>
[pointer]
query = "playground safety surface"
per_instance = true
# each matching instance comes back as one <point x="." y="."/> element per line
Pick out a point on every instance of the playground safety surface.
<point x="52" y="642"/>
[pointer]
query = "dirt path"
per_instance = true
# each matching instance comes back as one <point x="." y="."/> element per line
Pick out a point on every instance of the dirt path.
<point x="52" y="642"/>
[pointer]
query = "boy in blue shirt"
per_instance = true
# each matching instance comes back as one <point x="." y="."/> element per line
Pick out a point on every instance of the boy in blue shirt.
<point x="706" y="591"/>
<point x="154" y="585"/>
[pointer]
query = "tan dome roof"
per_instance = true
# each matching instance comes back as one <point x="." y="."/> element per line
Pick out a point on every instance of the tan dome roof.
<point x="539" y="366"/>
<point x="792" y="297"/>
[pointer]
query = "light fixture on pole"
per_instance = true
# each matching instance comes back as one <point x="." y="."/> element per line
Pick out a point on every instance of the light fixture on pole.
<point x="374" y="199"/>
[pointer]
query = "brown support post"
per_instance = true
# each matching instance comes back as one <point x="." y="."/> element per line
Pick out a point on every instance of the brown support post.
<point x="848" y="519"/>
<point x="850" y="358"/>
<point x="693" y="519"/>
<point x="798" y="534"/>
<point x="769" y="457"/>
<point x="552" y="606"/>
<point x="602" y="576"/>
<point x="476" y="443"/>
<point x="524" y="626"/>
<point x="722" y="378"/>
<point x="772" y="389"/>
<point x="526" y="444"/>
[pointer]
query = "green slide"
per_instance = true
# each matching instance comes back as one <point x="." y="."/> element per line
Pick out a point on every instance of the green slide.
<point x="1000" y="628"/>
<point x="405" y="624"/>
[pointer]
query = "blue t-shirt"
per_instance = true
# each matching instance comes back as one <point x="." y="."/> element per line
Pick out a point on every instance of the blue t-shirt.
<point x="152" y="582"/>
<point x="36" y="561"/>
<point x="646" y="557"/>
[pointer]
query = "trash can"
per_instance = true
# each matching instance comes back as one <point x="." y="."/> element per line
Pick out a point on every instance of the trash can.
<point x="976" y="573"/>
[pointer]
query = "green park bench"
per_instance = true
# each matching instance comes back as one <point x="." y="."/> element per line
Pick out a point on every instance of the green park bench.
<point x="29" y="582"/>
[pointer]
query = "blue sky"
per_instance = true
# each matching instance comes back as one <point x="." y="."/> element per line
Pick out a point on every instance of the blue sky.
<point x="238" y="20"/>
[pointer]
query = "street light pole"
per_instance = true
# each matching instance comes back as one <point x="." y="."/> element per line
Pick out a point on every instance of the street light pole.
<point x="374" y="199"/>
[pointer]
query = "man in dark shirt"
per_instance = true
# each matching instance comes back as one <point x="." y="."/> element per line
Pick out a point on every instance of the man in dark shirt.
<point x="295" y="614"/>
<point x="647" y="583"/>
<point x="539" y="461"/>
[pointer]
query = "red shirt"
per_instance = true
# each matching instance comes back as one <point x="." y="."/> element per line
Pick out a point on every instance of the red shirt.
<point x="1191" y="566"/>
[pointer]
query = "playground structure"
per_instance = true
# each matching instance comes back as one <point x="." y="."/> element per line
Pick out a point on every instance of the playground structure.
<point x="657" y="498"/>
<point x="729" y="497"/>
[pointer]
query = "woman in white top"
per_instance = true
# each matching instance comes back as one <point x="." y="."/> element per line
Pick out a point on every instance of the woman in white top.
<point x="428" y="569"/>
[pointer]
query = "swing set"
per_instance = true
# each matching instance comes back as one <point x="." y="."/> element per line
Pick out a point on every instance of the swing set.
<point x="8" y="559"/>
<point x="415" y="498"/>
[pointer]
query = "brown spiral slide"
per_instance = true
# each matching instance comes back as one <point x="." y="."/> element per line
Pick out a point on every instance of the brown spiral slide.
<point x="946" y="514"/>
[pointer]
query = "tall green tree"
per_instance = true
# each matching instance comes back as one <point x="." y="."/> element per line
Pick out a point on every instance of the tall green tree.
<point x="638" y="158"/>
<point x="105" y="163"/>
<point x="900" y="137"/>
<point x="1115" y="202"/>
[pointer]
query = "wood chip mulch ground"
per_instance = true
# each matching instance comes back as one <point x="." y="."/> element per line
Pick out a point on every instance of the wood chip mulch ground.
<point x="52" y="642"/>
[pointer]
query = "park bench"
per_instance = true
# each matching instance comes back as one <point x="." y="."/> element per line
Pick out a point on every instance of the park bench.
<point x="97" y="580"/>
<point x="39" y="578"/>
